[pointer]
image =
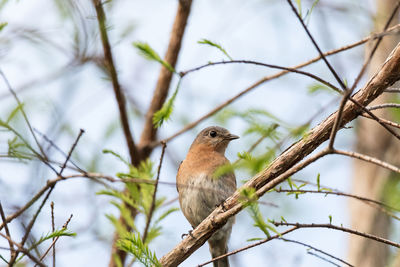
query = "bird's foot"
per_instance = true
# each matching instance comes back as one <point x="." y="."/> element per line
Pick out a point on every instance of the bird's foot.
<point x="189" y="233"/>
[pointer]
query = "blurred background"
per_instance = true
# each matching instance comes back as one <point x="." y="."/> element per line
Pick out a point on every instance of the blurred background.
<point x="49" y="52"/>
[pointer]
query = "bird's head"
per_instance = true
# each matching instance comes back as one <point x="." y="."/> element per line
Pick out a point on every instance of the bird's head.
<point x="214" y="137"/>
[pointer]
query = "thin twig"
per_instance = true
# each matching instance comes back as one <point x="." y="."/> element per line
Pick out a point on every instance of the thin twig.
<point x="338" y="119"/>
<point x="52" y="144"/>
<point x="71" y="150"/>
<point x="364" y="199"/>
<point x="23" y="250"/>
<point x="382" y="106"/>
<point x="30" y="225"/>
<point x="3" y="218"/>
<point x="295" y="70"/>
<point x="375" y="48"/>
<point x="388" y="122"/>
<point x="153" y="201"/>
<point x="53" y="228"/>
<point x="340" y="228"/>
<point x="367" y="159"/>
<point x="317" y="47"/>
<point x="316" y="249"/>
<point x="248" y="247"/>
<point x="55" y="240"/>
<point x="323" y="258"/>
<point x="23" y="113"/>
<point x="392" y="90"/>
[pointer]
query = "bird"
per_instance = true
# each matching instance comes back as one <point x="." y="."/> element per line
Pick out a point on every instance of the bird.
<point x="200" y="192"/>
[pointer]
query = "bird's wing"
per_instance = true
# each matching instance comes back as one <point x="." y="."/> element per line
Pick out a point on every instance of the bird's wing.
<point x="177" y="188"/>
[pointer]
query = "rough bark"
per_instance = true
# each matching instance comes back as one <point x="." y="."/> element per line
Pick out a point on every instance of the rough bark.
<point x="368" y="179"/>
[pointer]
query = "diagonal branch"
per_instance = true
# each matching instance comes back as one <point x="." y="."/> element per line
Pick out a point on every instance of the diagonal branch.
<point x="285" y="165"/>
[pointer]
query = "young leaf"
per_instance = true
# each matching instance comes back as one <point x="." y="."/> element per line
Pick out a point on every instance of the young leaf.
<point x="318" y="182"/>
<point x="132" y="243"/>
<point x="330" y="219"/>
<point x="150" y="54"/>
<point x="3" y="25"/>
<point x="165" y="112"/>
<point x="218" y="46"/>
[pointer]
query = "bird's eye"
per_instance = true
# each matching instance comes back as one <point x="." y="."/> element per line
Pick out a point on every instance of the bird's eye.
<point x="213" y="134"/>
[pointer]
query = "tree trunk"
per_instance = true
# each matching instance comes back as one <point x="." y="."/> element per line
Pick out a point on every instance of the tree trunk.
<point x="369" y="180"/>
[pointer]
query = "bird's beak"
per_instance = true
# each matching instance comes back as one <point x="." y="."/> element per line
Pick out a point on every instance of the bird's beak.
<point x="231" y="137"/>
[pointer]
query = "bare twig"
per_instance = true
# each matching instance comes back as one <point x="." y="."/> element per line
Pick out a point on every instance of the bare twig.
<point x="367" y="159"/>
<point x="30" y="225"/>
<point x="316" y="249"/>
<point x="317" y="46"/>
<point x="340" y="228"/>
<point x="55" y="240"/>
<point x="53" y="228"/>
<point x="387" y="122"/>
<point x="385" y="105"/>
<point x="315" y="77"/>
<point x="71" y="150"/>
<point x="3" y="218"/>
<point x="119" y="95"/>
<point x="323" y="258"/>
<point x="23" y="250"/>
<point x="153" y="201"/>
<point x="248" y="247"/>
<point x="23" y="113"/>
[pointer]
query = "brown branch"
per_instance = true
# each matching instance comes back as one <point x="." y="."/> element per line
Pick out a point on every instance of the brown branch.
<point x="165" y="76"/>
<point x="3" y="218"/>
<point x="387" y="122"/>
<point x="364" y="199"/>
<point x="53" y="244"/>
<point x="347" y="230"/>
<point x="385" y="105"/>
<point x="294" y="70"/>
<point x="53" y="228"/>
<point x="153" y="201"/>
<point x="119" y="95"/>
<point x="23" y="250"/>
<point x="71" y="150"/>
<point x="274" y="76"/>
<point x="285" y="165"/>
<point x="367" y="159"/>
<point x="30" y="225"/>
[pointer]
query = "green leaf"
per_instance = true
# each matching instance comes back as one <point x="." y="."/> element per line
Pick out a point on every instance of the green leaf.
<point x="317" y="88"/>
<point x="298" y="2"/>
<point x="57" y="233"/>
<point x="318" y="182"/>
<point x="165" y="214"/>
<point x="132" y="243"/>
<point x="218" y="46"/>
<point x="165" y="112"/>
<point x="148" y="52"/>
<point x="118" y="156"/>
<point x="330" y="219"/>
<point x="3" y="25"/>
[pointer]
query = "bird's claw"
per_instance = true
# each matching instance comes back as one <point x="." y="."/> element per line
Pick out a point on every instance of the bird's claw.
<point x="189" y="233"/>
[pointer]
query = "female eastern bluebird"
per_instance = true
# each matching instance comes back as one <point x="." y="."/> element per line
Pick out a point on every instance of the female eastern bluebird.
<point x="200" y="191"/>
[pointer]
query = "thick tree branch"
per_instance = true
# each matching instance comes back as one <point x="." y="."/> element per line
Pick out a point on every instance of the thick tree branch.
<point x="282" y="166"/>
<point x="165" y="76"/>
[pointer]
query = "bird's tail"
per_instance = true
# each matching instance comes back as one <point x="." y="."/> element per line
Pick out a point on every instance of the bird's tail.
<point x="218" y="248"/>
